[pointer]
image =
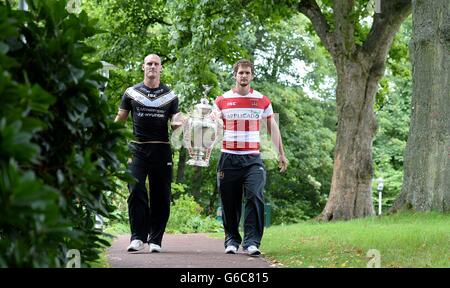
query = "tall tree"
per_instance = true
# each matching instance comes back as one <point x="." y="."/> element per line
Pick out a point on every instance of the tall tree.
<point x="360" y="63"/>
<point x="426" y="183"/>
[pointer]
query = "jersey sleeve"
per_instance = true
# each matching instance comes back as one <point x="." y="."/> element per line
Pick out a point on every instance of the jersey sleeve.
<point x="268" y="111"/>
<point x="174" y="107"/>
<point x="125" y="104"/>
<point x="217" y="108"/>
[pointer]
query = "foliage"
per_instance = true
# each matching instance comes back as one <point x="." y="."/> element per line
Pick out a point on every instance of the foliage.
<point x="393" y="118"/>
<point x="205" y="28"/>
<point x="201" y="184"/>
<point x="284" y="52"/>
<point x="125" y="43"/>
<point x="60" y="149"/>
<point x="137" y="26"/>
<point x="185" y="217"/>
<point x="119" y="200"/>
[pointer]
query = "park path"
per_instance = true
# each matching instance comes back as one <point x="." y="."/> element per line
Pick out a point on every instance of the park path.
<point x="182" y="251"/>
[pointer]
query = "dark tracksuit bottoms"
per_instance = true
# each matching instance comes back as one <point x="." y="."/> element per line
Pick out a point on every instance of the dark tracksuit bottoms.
<point x="237" y="176"/>
<point x="152" y="160"/>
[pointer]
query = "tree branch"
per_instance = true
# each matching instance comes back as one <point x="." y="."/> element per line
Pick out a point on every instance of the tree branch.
<point x="310" y="9"/>
<point x="385" y="26"/>
<point x="345" y="28"/>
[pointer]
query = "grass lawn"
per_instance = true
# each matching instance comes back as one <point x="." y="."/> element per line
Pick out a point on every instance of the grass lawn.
<point x="403" y="240"/>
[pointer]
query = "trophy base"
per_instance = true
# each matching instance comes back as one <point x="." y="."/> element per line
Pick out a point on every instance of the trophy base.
<point x="200" y="163"/>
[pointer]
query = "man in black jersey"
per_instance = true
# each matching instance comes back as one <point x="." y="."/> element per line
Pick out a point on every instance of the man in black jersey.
<point x="152" y="104"/>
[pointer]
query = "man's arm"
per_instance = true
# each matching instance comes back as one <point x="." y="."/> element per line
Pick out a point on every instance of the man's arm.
<point x="274" y="132"/>
<point x="216" y="115"/>
<point x="122" y="115"/>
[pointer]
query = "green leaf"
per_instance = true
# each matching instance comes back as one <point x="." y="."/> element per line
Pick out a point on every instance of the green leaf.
<point x="4" y="48"/>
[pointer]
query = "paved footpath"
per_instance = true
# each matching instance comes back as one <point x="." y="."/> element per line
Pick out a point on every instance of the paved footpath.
<point x="182" y="251"/>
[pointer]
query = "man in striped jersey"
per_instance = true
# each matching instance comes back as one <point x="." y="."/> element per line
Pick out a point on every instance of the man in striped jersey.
<point x="240" y="170"/>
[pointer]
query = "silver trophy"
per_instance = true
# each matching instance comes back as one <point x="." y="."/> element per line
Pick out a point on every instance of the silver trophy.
<point x="200" y="132"/>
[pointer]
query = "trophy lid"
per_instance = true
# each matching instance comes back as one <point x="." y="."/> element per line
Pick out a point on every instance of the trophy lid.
<point x="202" y="108"/>
<point x="204" y="104"/>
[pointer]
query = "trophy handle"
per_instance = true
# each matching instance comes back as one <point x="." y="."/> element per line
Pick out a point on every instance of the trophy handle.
<point x="208" y="155"/>
<point x="187" y="134"/>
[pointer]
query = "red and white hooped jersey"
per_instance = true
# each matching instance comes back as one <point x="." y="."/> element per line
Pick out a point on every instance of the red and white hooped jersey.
<point x="241" y="118"/>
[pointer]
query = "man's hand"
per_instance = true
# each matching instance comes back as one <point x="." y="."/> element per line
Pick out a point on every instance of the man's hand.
<point x="191" y="152"/>
<point x="178" y="120"/>
<point x="216" y="118"/>
<point x="282" y="163"/>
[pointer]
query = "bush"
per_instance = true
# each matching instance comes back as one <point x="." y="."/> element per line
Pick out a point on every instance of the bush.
<point x="185" y="214"/>
<point x="59" y="148"/>
<point x="286" y="212"/>
<point x="119" y="200"/>
<point x="185" y="217"/>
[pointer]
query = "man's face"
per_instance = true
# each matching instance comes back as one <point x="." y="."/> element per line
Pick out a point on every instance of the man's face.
<point x="244" y="75"/>
<point x="152" y="66"/>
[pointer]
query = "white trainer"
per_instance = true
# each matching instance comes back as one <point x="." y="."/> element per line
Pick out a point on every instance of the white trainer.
<point x="252" y="250"/>
<point x="154" y="248"/>
<point x="231" y="249"/>
<point x="135" y="245"/>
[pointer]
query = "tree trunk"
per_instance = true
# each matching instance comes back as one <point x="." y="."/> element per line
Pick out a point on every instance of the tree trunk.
<point x="426" y="182"/>
<point x="213" y="201"/>
<point x="197" y="183"/>
<point x="181" y="165"/>
<point x="359" y="69"/>
<point x="350" y="194"/>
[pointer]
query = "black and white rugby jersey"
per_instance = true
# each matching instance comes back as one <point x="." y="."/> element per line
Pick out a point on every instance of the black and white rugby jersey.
<point x="151" y="108"/>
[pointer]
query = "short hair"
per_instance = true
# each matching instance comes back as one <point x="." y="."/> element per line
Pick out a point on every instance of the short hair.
<point x="243" y="62"/>
<point x="153" y="55"/>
